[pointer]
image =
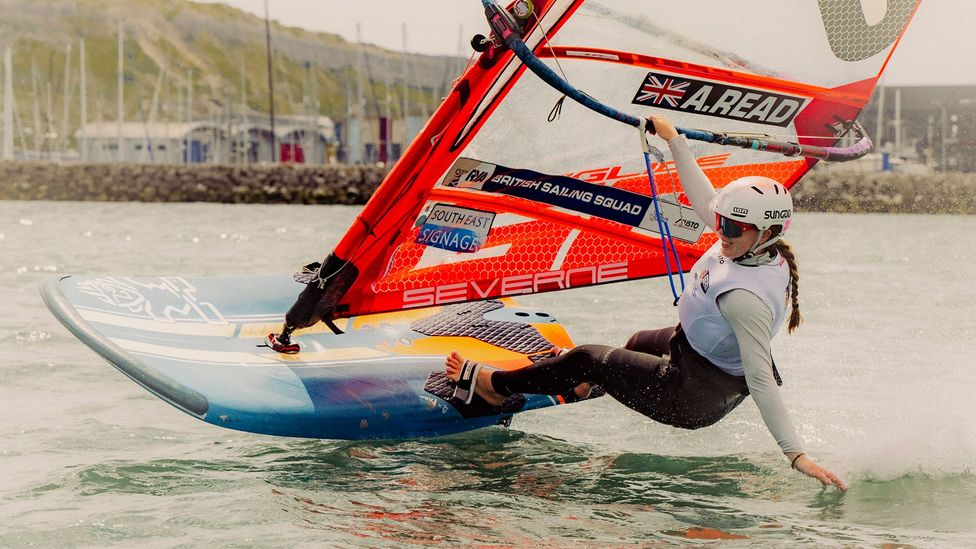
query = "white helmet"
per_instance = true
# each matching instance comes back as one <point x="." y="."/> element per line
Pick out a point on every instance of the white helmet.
<point x="758" y="201"/>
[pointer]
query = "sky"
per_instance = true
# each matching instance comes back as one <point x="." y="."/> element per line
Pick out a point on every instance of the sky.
<point x="937" y="49"/>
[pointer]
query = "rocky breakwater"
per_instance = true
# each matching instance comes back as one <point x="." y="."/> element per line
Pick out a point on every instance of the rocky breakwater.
<point x="827" y="191"/>
<point x="884" y="192"/>
<point x="285" y="183"/>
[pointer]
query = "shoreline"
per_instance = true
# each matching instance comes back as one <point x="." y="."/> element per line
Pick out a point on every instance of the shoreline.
<point x="819" y="191"/>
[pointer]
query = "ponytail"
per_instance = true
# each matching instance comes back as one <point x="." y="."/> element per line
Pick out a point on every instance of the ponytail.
<point x="784" y="249"/>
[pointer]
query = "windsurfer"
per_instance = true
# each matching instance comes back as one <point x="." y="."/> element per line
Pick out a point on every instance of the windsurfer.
<point x="693" y="375"/>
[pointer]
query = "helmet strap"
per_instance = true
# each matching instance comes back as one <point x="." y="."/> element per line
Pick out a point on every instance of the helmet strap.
<point x="772" y="240"/>
<point x="757" y="248"/>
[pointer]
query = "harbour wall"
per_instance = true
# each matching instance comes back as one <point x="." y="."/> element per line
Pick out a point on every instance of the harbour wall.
<point x="828" y="191"/>
<point x="273" y="184"/>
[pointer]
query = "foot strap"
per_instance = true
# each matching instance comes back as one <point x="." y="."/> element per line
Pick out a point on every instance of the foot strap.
<point x="468" y="380"/>
<point x="283" y="345"/>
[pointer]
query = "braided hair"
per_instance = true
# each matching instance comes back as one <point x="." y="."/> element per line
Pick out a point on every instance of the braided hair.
<point x="783" y="248"/>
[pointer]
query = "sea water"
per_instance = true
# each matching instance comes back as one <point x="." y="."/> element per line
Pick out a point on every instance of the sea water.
<point x="879" y="381"/>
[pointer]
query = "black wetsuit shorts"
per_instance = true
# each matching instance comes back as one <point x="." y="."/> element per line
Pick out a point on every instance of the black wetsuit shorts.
<point x="685" y="391"/>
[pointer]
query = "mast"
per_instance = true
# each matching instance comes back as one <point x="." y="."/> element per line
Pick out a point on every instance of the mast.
<point x="898" y="121"/>
<point x="83" y="82"/>
<point x="879" y="128"/>
<point x="8" y="106"/>
<point x="150" y="120"/>
<point x="354" y="155"/>
<point x="49" y="133"/>
<point x="245" y="142"/>
<point x="373" y="96"/>
<point x="411" y="125"/>
<point x="120" y="114"/>
<point x="313" y="137"/>
<point x="63" y="138"/>
<point x="306" y="140"/>
<point x="189" y="97"/>
<point x="271" y="109"/>
<point x="405" y="99"/>
<point x="386" y="128"/>
<point x="188" y="154"/>
<point x="38" y="133"/>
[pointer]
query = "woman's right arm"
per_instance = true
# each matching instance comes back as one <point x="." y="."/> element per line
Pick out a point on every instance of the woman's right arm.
<point x="695" y="183"/>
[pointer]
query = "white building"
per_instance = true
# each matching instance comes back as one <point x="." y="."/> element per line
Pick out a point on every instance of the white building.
<point x="298" y="139"/>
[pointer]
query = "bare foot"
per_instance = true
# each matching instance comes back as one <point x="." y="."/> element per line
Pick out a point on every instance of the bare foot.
<point x="452" y="365"/>
<point x="482" y="386"/>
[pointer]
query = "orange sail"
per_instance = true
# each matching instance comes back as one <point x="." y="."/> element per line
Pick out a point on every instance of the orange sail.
<point x="509" y="191"/>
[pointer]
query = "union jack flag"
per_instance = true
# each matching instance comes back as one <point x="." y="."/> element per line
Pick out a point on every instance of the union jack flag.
<point x="655" y="91"/>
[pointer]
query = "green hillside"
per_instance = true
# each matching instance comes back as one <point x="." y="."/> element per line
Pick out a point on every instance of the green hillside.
<point x="221" y="47"/>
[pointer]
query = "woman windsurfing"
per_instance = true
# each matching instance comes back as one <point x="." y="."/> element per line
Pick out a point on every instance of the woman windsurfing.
<point x="693" y="375"/>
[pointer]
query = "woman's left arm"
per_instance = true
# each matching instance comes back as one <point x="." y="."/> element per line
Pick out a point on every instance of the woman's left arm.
<point x="696" y="185"/>
<point x="751" y="321"/>
<point x="807" y="466"/>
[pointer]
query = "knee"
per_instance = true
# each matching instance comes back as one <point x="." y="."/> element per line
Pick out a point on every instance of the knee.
<point x="588" y="354"/>
<point x="634" y="342"/>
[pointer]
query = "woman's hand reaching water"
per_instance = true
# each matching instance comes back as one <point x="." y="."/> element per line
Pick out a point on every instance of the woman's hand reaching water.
<point x="808" y="467"/>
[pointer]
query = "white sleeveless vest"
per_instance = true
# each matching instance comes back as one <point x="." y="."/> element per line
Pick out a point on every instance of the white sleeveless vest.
<point x="707" y="330"/>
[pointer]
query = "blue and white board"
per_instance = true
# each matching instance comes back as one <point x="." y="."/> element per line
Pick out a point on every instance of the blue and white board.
<point x="197" y="344"/>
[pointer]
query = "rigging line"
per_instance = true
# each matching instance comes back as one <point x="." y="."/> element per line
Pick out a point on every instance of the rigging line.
<point x="545" y="37"/>
<point x="464" y="70"/>
<point x="664" y="229"/>
<point x="557" y="109"/>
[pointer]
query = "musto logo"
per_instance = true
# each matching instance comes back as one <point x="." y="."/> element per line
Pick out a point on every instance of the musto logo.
<point x="679" y="93"/>
<point x="455" y="229"/>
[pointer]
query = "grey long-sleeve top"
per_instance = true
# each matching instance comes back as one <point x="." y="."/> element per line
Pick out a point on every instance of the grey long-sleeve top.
<point x="749" y="317"/>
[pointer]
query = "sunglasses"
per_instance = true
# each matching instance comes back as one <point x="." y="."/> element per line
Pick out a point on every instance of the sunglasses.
<point x="730" y="227"/>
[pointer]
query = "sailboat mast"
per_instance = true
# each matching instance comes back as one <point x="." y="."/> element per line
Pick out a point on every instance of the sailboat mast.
<point x="271" y="105"/>
<point x="245" y="143"/>
<point x="83" y="83"/>
<point x="38" y="132"/>
<point x="120" y="114"/>
<point x="405" y="98"/>
<point x="65" y="108"/>
<point x="8" y="106"/>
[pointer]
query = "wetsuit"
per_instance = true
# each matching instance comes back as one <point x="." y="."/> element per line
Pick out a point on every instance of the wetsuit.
<point x="689" y="380"/>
